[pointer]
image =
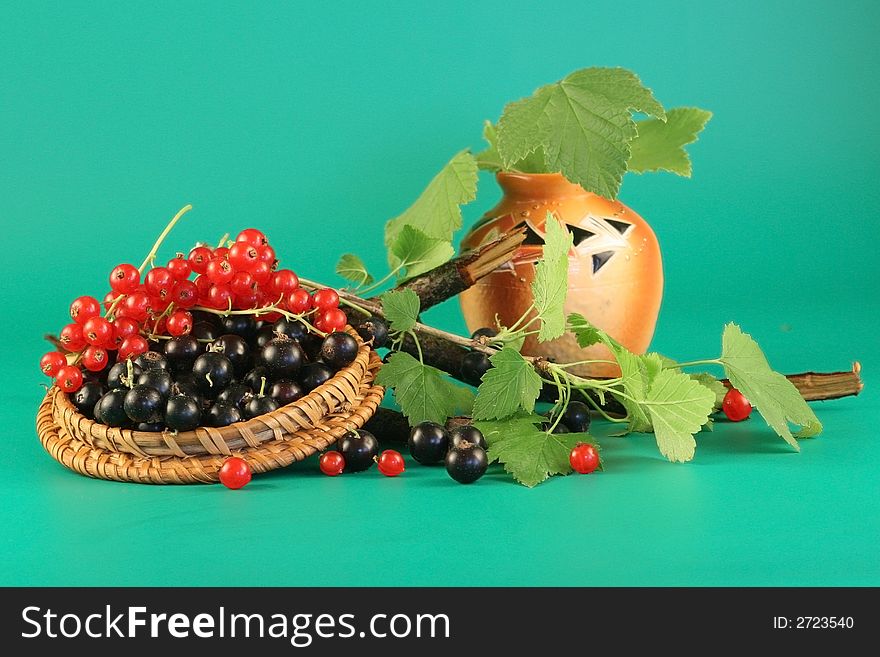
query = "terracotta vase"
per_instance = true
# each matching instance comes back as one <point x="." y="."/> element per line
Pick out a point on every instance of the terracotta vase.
<point x="615" y="275"/>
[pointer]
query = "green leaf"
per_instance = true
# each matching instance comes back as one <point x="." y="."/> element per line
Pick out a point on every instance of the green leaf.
<point x="550" y="285"/>
<point x="488" y="159"/>
<point x="423" y="392"/>
<point x="528" y="453"/>
<point x="417" y="253"/>
<point x="587" y="334"/>
<point x="352" y="268"/>
<point x="717" y="388"/>
<point x="582" y="125"/>
<point x="436" y="212"/>
<point x="775" y="397"/>
<point x="679" y="407"/>
<point x="660" y="145"/>
<point x="401" y="309"/>
<point x="637" y="375"/>
<point x="509" y="385"/>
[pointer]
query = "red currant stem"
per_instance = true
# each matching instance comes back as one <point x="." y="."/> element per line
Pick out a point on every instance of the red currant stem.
<point x="262" y="311"/>
<point x="151" y="256"/>
<point x="223" y="240"/>
<point x="165" y="313"/>
<point x="346" y="298"/>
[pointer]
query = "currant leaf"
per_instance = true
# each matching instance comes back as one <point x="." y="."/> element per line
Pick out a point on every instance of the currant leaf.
<point x="660" y="144"/>
<point x="550" y="286"/>
<point x="510" y="385"/>
<point x="401" y="309"/>
<point x="423" y="393"/>
<point x="417" y="253"/>
<point x="678" y="406"/>
<point x="352" y="268"/>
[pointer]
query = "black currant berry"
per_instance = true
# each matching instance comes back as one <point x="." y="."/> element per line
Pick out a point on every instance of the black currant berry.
<point x="374" y="328"/>
<point x="292" y="328"/>
<point x="158" y="379"/>
<point x="285" y="391"/>
<point x="466" y="463"/>
<point x="235" y="393"/>
<point x="311" y="345"/>
<point x="259" y="405"/>
<point x="143" y="404"/>
<point x="467" y="432"/>
<point x="213" y="373"/>
<point x="485" y="332"/>
<point x="244" y="326"/>
<point x="358" y="448"/>
<point x="254" y="378"/>
<point x="559" y="428"/>
<point x="262" y="337"/>
<point x="182" y="413"/>
<point x="222" y="414"/>
<point x="204" y="331"/>
<point x="474" y="365"/>
<point x="152" y="360"/>
<point x="315" y="374"/>
<point x="339" y="349"/>
<point x="110" y="409"/>
<point x="86" y="397"/>
<point x="117" y="377"/>
<point x="151" y="427"/>
<point x="282" y="357"/>
<point x="181" y="352"/>
<point x="428" y="443"/>
<point x="577" y="417"/>
<point x="236" y="349"/>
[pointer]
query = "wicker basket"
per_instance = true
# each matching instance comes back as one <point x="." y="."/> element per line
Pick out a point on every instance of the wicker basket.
<point x="274" y="440"/>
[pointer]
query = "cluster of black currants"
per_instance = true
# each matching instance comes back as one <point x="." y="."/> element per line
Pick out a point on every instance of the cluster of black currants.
<point x="475" y="364"/>
<point x="225" y="370"/>
<point x="462" y="449"/>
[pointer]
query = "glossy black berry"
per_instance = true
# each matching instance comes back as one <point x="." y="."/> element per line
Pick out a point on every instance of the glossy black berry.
<point x="254" y="378"/>
<point x="374" y="329"/>
<point x="485" y="332"/>
<point x="474" y="365"/>
<point x="213" y="373"/>
<point x="222" y="414"/>
<point x="151" y="427"/>
<point x="311" y="345"/>
<point x="117" y="377"/>
<point x="428" y="443"/>
<point x="285" y="391"/>
<point x="235" y="393"/>
<point x="244" y="326"/>
<point x="358" y="449"/>
<point x="205" y="331"/>
<point x="86" y="397"/>
<point x="143" y="404"/>
<point x="236" y="349"/>
<point x="181" y="352"/>
<point x="559" y="428"/>
<point x="182" y="413"/>
<point x="152" y="360"/>
<point x="467" y="432"/>
<point x="466" y="463"/>
<point x="110" y="409"/>
<point x="577" y="417"/>
<point x="292" y="328"/>
<point x="158" y="379"/>
<point x="339" y="349"/>
<point x="259" y="405"/>
<point x="315" y="374"/>
<point x="283" y="358"/>
<point x="263" y="336"/>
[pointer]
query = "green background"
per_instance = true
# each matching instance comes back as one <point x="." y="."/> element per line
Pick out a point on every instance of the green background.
<point x="317" y="125"/>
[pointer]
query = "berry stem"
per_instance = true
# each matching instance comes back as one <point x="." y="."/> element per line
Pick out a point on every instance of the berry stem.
<point x="151" y="256"/>
<point x="272" y="308"/>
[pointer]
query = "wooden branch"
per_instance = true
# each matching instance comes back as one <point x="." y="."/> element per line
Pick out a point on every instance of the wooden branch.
<point x="822" y="386"/>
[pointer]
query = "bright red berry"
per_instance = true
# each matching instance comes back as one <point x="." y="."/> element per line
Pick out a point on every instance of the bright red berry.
<point x="179" y="323"/>
<point x="83" y="308"/>
<point x="125" y="326"/>
<point x="299" y="301"/>
<point x="97" y="331"/>
<point x="124" y="278"/>
<point x="51" y="362"/>
<point x="283" y="281"/>
<point x="94" y="358"/>
<point x="252" y="236"/>
<point x="331" y="463"/>
<point x="735" y="406"/>
<point x="332" y="320"/>
<point x="220" y="253"/>
<point x="158" y="283"/>
<point x="235" y="473"/>
<point x="136" y="305"/>
<point x="243" y="284"/>
<point x="219" y="297"/>
<point x="69" y="378"/>
<point x="199" y="258"/>
<point x="132" y="347"/>
<point x="390" y="463"/>
<point x="71" y="337"/>
<point x="110" y="298"/>
<point x="267" y="255"/>
<point x="325" y="298"/>
<point x="185" y="294"/>
<point x="262" y="273"/>
<point x="584" y="458"/>
<point x="179" y="267"/>
<point x="243" y="256"/>
<point x="219" y="272"/>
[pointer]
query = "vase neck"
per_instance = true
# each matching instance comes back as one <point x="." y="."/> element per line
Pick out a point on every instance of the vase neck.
<point x="537" y="186"/>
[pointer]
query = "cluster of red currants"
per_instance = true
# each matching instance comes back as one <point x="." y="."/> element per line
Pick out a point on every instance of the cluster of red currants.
<point x="239" y="276"/>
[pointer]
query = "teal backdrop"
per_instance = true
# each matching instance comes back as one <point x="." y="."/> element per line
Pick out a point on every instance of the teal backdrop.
<point x="317" y="125"/>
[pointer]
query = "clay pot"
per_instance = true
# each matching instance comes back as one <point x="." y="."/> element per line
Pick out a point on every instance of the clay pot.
<point x="615" y="275"/>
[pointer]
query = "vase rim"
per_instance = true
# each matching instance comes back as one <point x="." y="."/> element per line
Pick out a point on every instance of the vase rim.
<point x="537" y="185"/>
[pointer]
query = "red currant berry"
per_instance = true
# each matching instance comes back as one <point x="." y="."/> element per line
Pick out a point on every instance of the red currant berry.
<point x="179" y="323"/>
<point x="69" y="378"/>
<point x="235" y="473"/>
<point x="390" y="463"/>
<point x="219" y="272"/>
<point x="94" y="358"/>
<point x="51" y="362"/>
<point x="325" y="299"/>
<point x="331" y="463"/>
<point x="262" y="273"/>
<point x="735" y="406"/>
<point x="252" y="236"/>
<point x="185" y="294"/>
<point x="97" y="331"/>
<point x="158" y="282"/>
<point x="199" y="258"/>
<point x="113" y="341"/>
<point x="220" y="253"/>
<point x="136" y="305"/>
<point x="245" y="301"/>
<point x="125" y="326"/>
<point x="243" y="256"/>
<point x="132" y="347"/>
<point x="179" y="267"/>
<point x="299" y="301"/>
<point x="203" y="284"/>
<point x="243" y="284"/>
<point x="267" y="255"/>
<point x="84" y="308"/>
<point x="71" y="337"/>
<point x="219" y="297"/>
<point x="584" y="458"/>
<point x="109" y="298"/>
<point x="283" y="281"/>
<point x="332" y="320"/>
<point x="124" y="278"/>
